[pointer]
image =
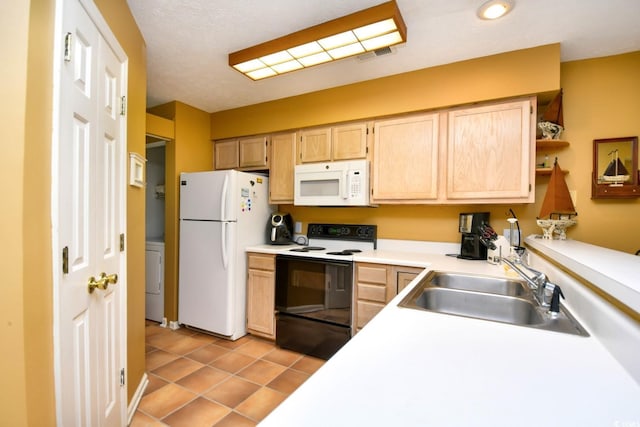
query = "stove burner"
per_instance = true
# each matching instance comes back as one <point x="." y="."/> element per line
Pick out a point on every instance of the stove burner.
<point x="308" y="249"/>
<point x="345" y="252"/>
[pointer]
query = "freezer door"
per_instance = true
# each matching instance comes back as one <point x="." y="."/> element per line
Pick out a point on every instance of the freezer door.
<point x="206" y="297"/>
<point x="208" y="196"/>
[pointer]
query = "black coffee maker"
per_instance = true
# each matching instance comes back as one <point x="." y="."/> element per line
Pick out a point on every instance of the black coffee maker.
<point x="470" y="246"/>
<point x="280" y="229"/>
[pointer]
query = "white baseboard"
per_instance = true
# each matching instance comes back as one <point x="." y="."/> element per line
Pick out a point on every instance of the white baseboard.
<point x="137" y="397"/>
<point x="173" y="325"/>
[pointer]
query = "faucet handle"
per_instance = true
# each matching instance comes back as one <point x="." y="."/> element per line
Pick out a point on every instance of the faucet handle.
<point x="555" y="299"/>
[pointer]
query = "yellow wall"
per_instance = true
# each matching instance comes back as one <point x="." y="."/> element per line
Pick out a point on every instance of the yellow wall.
<point x="600" y="101"/>
<point x="190" y="151"/>
<point x="28" y="396"/>
<point x="521" y="72"/>
<point x="14" y="26"/>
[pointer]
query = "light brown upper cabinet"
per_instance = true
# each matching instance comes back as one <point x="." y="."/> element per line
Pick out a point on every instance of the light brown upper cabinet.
<point x="225" y="154"/>
<point x="491" y="153"/>
<point x="283" y="153"/>
<point x="242" y="153"/>
<point x="405" y="159"/>
<point x="342" y="142"/>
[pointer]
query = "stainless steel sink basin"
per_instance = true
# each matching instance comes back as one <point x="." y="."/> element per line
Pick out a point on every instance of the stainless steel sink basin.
<point x="470" y="282"/>
<point x="487" y="298"/>
<point x="498" y="308"/>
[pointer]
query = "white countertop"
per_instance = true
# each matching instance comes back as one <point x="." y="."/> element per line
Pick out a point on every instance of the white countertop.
<point x="417" y="368"/>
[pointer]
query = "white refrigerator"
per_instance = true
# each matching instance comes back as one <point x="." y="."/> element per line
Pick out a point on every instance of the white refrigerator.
<point x="221" y="213"/>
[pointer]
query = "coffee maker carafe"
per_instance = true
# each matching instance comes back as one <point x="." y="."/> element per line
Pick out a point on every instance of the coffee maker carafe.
<point x="470" y="246"/>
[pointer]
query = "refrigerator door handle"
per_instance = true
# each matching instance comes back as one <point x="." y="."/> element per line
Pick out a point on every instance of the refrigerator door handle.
<point x="223" y="243"/>
<point x="223" y="198"/>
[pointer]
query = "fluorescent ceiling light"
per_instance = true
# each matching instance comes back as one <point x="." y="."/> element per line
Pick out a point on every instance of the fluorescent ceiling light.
<point x="369" y="29"/>
<point x="495" y="9"/>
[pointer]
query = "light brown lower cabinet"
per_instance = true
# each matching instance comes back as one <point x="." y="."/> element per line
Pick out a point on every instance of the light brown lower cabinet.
<point x="376" y="285"/>
<point x="261" y="291"/>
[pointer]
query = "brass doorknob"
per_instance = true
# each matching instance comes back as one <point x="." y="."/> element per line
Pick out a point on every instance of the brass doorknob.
<point x="102" y="282"/>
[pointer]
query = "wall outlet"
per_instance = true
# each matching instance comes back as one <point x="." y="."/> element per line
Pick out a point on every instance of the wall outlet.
<point x="298" y="227"/>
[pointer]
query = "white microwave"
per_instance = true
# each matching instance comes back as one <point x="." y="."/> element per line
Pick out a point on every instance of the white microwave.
<point x="344" y="183"/>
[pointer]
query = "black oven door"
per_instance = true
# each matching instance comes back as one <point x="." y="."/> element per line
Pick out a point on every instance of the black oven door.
<point x="313" y="301"/>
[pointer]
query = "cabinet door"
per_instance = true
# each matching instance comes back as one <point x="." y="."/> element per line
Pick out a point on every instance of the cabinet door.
<point x="372" y="291"/>
<point x="283" y="152"/>
<point x="490" y="152"/>
<point x="349" y="141"/>
<point x="253" y="152"/>
<point x="261" y="302"/>
<point x="315" y="145"/>
<point x="404" y="276"/>
<point x="405" y="159"/>
<point x="225" y="154"/>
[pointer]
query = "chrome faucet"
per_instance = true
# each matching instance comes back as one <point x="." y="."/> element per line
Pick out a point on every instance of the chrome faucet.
<point x="537" y="283"/>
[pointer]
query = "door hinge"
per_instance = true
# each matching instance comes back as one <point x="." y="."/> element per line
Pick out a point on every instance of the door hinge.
<point x="122" y="242"/>
<point x="123" y="106"/>
<point x="65" y="260"/>
<point x="122" y="382"/>
<point x="67" y="47"/>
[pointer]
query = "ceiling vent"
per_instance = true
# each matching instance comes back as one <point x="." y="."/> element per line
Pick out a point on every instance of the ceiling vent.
<point x="374" y="53"/>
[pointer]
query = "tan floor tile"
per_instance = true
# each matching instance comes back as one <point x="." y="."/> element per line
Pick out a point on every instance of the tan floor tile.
<point x="177" y="369"/>
<point x="199" y="413"/>
<point x="185" y="345"/>
<point x="256" y="348"/>
<point x="203" y="379"/>
<point x="260" y="403"/>
<point x="236" y="420"/>
<point x="232" y="362"/>
<point x="142" y="420"/>
<point x="232" y="392"/>
<point x="155" y="359"/>
<point x="208" y="353"/>
<point x="261" y="371"/>
<point x="308" y="364"/>
<point x="288" y="381"/>
<point x="165" y="400"/>
<point x="233" y="344"/>
<point x="163" y="340"/>
<point x="155" y="382"/>
<point x="282" y="357"/>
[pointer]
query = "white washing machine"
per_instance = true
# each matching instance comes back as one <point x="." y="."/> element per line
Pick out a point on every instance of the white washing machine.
<point x="154" y="264"/>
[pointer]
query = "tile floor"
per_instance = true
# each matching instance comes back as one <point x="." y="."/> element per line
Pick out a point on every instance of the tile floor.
<point x="200" y="380"/>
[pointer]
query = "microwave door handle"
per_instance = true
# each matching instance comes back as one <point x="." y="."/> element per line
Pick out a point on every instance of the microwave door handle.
<point x="345" y="187"/>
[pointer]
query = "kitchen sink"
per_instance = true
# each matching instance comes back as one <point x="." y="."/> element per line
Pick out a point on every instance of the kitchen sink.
<point x="487" y="298"/>
<point x="470" y="282"/>
<point x="498" y="308"/>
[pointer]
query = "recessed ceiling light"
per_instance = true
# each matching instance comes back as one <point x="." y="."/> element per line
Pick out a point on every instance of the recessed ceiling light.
<point x="495" y="9"/>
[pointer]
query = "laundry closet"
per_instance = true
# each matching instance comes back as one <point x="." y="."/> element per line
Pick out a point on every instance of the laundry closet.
<point x="154" y="231"/>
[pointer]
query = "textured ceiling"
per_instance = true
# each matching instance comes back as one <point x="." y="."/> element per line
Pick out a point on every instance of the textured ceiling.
<point x="188" y="41"/>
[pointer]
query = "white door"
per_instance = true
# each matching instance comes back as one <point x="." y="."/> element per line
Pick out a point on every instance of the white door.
<point x="88" y="218"/>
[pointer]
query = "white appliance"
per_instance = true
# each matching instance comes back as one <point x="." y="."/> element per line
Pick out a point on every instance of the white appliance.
<point x="154" y="286"/>
<point x="221" y="213"/>
<point x="344" y="183"/>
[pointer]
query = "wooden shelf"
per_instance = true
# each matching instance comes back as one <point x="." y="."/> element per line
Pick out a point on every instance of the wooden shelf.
<point x="547" y="171"/>
<point x="550" y="144"/>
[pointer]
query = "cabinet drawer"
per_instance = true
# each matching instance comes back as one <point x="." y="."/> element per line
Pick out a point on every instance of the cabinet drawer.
<point x="371" y="274"/>
<point x="372" y="292"/>
<point x="262" y="262"/>
<point x="366" y="311"/>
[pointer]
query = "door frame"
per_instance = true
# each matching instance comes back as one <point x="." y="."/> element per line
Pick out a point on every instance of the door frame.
<point x="58" y="51"/>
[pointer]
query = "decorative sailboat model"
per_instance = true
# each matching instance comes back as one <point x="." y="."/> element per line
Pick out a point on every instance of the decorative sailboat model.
<point x="552" y="124"/>
<point x="557" y="212"/>
<point x="616" y="173"/>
